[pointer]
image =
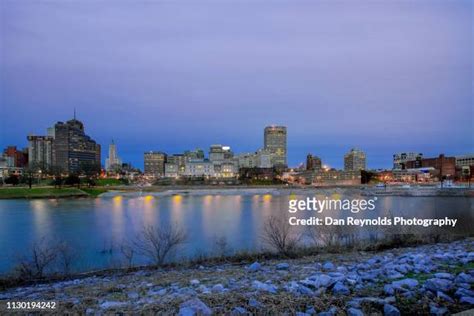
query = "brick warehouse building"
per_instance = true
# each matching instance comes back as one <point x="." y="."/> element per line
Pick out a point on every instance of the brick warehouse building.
<point x="446" y="166"/>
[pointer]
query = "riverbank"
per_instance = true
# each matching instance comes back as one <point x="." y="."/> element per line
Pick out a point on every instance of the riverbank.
<point x="436" y="279"/>
<point x="69" y="192"/>
<point x="418" y="191"/>
<point x="49" y="192"/>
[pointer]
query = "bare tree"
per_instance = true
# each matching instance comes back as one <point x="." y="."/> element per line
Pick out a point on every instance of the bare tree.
<point x="156" y="243"/>
<point x="57" y="172"/>
<point x="128" y="253"/>
<point x="42" y="256"/>
<point x="30" y="173"/>
<point x="280" y="235"/>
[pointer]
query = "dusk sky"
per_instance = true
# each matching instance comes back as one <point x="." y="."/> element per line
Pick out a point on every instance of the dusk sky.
<point x="174" y="75"/>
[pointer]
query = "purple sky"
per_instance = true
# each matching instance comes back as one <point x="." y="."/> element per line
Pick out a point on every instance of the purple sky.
<point x="384" y="76"/>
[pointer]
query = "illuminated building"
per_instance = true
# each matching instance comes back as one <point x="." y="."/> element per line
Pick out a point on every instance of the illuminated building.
<point x="400" y="159"/>
<point x="40" y="151"/>
<point x="155" y="163"/>
<point x="313" y="162"/>
<point x="72" y="147"/>
<point x="354" y="160"/>
<point x="275" y="143"/>
<point x="113" y="162"/>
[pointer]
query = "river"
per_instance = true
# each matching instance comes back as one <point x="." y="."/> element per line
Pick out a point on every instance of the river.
<point x="96" y="227"/>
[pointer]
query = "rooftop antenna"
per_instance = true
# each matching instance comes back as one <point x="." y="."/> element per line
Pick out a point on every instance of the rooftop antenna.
<point x="74" y="113"/>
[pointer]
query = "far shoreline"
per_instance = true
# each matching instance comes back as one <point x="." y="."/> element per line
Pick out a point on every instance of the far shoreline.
<point x="50" y="192"/>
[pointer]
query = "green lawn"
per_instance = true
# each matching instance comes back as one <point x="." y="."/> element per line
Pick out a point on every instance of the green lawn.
<point x="94" y="192"/>
<point x="26" y="193"/>
<point x="109" y="182"/>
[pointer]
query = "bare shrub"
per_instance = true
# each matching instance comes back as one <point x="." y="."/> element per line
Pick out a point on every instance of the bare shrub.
<point x="128" y="252"/>
<point x="332" y="237"/>
<point x="156" y="243"/>
<point x="42" y="257"/>
<point x="396" y="236"/>
<point x="280" y="235"/>
<point x="67" y="255"/>
<point x="221" y="246"/>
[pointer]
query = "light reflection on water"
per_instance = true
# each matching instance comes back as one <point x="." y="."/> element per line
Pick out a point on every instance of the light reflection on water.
<point x="93" y="225"/>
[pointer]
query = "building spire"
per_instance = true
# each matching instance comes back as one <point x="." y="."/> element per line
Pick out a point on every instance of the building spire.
<point x="74" y="113"/>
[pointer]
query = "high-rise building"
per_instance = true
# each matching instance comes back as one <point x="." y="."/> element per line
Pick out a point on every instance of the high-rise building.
<point x="40" y="151"/>
<point x="354" y="160"/>
<point x="400" y="159"/>
<point x="155" y="163"/>
<point x="72" y="147"/>
<point x="313" y="162"/>
<point x="113" y="162"/>
<point x="275" y="143"/>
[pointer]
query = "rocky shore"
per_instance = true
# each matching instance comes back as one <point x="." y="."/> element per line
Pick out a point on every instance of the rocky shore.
<point x="431" y="279"/>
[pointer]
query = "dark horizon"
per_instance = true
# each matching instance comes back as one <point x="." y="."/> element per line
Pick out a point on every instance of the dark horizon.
<point x="384" y="77"/>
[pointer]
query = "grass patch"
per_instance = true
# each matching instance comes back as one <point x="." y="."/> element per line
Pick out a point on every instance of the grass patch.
<point x="27" y="193"/>
<point x="94" y="192"/>
<point x="110" y="182"/>
<point x="420" y="277"/>
<point x="459" y="268"/>
<point x="455" y="270"/>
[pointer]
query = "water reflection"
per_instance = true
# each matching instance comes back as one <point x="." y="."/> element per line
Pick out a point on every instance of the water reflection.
<point x="150" y="207"/>
<point x="177" y="215"/>
<point x="117" y="214"/>
<point x="41" y="217"/>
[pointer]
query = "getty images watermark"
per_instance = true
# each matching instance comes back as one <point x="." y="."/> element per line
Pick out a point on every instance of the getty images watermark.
<point x="354" y="206"/>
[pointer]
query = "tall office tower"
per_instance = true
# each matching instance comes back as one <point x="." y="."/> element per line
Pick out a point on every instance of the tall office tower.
<point x="40" y="151"/>
<point x="400" y="160"/>
<point x="113" y="162"/>
<point x="275" y="143"/>
<point x="354" y="160"/>
<point x="313" y="162"/>
<point x="155" y="163"/>
<point x="72" y="147"/>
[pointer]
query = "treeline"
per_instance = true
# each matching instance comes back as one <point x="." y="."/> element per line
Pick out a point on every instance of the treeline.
<point x="87" y="174"/>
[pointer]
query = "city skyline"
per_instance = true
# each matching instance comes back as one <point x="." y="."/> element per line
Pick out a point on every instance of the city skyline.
<point x="336" y="75"/>
<point x="139" y="163"/>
